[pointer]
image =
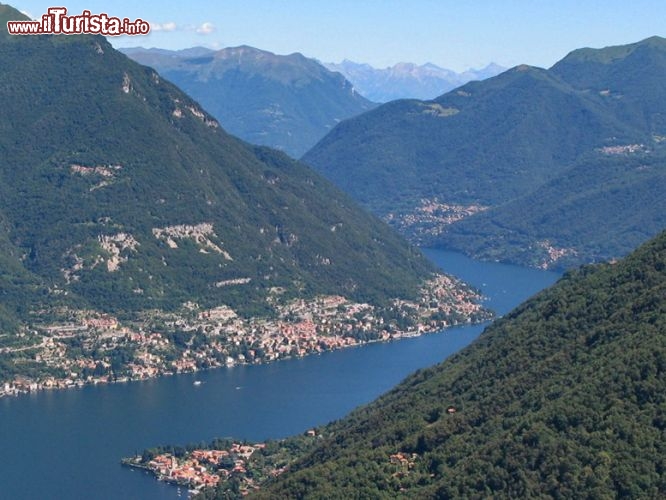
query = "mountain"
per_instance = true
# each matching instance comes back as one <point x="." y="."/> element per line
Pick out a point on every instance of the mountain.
<point x="286" y="102"/>
<point x="484" y="143"/>
<point x="628" y="77"/>
<point x="482" y="160"/>
<point x="121" y="196"/>
<point x="598" y="209"/>
<point x="562" y="398"/>
<point x="407" y="80"/>
<point x="617" y="190"/>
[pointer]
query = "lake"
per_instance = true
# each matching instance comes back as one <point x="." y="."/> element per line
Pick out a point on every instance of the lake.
<point x="68" y="444"/>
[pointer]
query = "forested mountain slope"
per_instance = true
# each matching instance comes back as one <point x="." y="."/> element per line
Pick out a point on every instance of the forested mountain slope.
<point x="124" y="203"/>
<point x="288" y="102"/>
<point x="562" y="398"/>
<point x="472" y="169"/>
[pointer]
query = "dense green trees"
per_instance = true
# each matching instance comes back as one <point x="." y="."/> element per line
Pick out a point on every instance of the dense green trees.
<point x="565" y="397"/>
<point x="286" y="102"/>
<point x="602" y="207"/>
<point x="570" y="157"/>
<point x="96" y="148"/>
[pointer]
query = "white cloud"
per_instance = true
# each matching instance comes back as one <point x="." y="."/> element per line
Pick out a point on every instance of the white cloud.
<point x="170" y="26"/>
<point x="25" y="12"/>
<point x="206" y="28"/>
<point x="203" y="29"/>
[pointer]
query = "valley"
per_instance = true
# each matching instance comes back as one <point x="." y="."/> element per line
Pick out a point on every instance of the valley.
<point x="252" y="402"/>
<point x="287" y="102"/>
<point x="144" y="240"/>
<point x="259" y="275"/>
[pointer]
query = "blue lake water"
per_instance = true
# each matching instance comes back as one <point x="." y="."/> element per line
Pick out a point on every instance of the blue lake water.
<point x="67" y="444"/>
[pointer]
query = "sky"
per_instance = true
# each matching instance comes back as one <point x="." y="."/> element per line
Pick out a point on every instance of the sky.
<point x="457" y="35"/>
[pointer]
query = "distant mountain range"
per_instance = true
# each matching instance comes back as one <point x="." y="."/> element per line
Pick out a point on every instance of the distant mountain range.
<point x="286" y="102"/>
<point x="407" y="80"/>
<point x="562" y="398"/>
<point x="550" y="168"/>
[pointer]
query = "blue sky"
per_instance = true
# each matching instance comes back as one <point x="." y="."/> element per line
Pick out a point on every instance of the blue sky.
<point x="452" y="34"/>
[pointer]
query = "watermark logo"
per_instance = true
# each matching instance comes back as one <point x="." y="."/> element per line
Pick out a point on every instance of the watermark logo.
<point x="57" y="22"/>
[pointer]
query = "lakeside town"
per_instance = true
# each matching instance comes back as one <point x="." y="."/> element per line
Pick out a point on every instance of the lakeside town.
<point x="235" y="466"/>
<point x="86" y="347"/>
<point x="201" y="468"/>
<point x="424" y="223"/>
<point x="235" y="469"/>
<point x="429" y="220"/>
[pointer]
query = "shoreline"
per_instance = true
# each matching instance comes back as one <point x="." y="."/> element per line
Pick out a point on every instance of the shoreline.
<point x="38" y="387"/>
<point x="85" y="347"/>
<point x="178" y="483"/>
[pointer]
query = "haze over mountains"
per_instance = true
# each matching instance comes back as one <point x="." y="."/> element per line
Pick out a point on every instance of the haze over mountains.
<point x="549" y="168"/>
<point x="291" y="102"/>
<point x="286" y="102"/>
<point x="407" y="80"/>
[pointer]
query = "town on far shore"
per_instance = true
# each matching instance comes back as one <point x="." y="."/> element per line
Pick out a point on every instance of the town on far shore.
<point x="87" y="347"/>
